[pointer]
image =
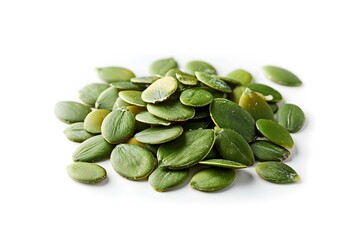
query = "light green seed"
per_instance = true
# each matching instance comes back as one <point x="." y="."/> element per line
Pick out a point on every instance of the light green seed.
<point x="213" y="81"/>
<point x="86" y="172"/>
<point x="77" y="133"/>
<point x="172" y="111"/>
<point x="163" y="179"/>
<point x="276" y="172"/>
<point x="196" y="97"/>
<point x="275" y="133"/>
<point x="71" y="112"/>
<point x="119" y="103"/>
<point x="256" y="105"/>
<point x="122" y="85"/>
<point x="199" y="66"/>
<point x="90" y="93"/>
<point x="223" y="163"/>
<point x="268" y="151"/>
<point x="146" y="117"/>
<point x="158" y="135"/>
<point x="162" y="66"/>
<point x="240" y="76"/>
<point x="186" y="79"/>
<point x="213" y="179"/>
<point x="93" y="120"/>
<point x="132" y="97"/>
<point x="291" y="117"/>
<point x="160" y="90"/>
<point x="93" y="149"/>
<point x="281" y="76"/>
<point x="144" y="80"/>
<point x="115" y="74"/>
<point x="107" y="98"/>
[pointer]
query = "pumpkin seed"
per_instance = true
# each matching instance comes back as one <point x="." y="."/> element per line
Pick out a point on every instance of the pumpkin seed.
<point x="146" y="117"/>
<point x="135" y="109"/>
<point x="213" y="81"/>
<point x="107" y="98"/>
<point x="274" y="107"/>
<point x="291" y="117"/>
<point x="256" y="105"/>
<point x="132" y="162"/>
<point x="71" y="112"/>
<point x="232" y="146"/>
<point x="160" y="90"/>
<point x="276" y="172"/>
<point x="193" y="125"/>
<point x="86" y="172"/>
<point x="187" y="150"/>
<point x="223" y="163"/>
<point x="76" y="132"/>
<point x="162" y="66"/>
<point x="227" y="114"/>
<point x="163" y="179"/>
<point x="171" y="111"/>
<point x="237" y="93"/>
<point x="133" y="140"/>
<point x="266" y="91"/>
<point x="115" y="74"/>
<point x="281" y="76"/>
<point x="93" y="120"/>
<point x="119" y="103"/>
<point x="186" y="79"/>
<point x="90" y="93"/>
<point x="268" y="151"/>
<point x="93" y="149"/>
<point x="196" y="97"/>
<point x="157" y="135"/>
<point x="133" y="97"/>
<point x="118" y="126"/>
<point x="240" y="76"/>
<point x="144" y="80"/>
<point x="275" y="133"/>
<point x="199" y="66"/>
<point x="213" y="179"/>
<point x="122" y="85"/>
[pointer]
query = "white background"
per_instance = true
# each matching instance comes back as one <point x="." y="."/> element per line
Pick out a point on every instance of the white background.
<point x="49" y="50"/>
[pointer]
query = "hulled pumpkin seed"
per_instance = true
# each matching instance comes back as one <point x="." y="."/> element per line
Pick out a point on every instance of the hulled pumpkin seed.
<point x="86" y="172"/>
<point x="266" y="91"/>
<point x="223" y="163"/>
<point x="146" y="117"/>
<point x="196" y="97"/>
<point x="122" y="85"/>
<point x="256" y="105"/>
<point x="186" y="79"/>
<point x="77" y="133"/>
<point x="93" y="120"/>
<point x="93" y="149"/>
<point x="237" y="93"/>
<point x="115" y="74"/>
<point x="132" y="162"/>
<point x="160" y="90"/>
<point x="119" y="103"/>
<point x="291" y="117"/>
<point x="90" y="93"/>
<point x="275" y="133"/>
<point x="213" y="81"/>
<point x="133" y="97"/>
<point x="164" y="179"/>
<point x="242" y="77"/>
<point x="144" y="80"/>
<point x="276" y="172"/>
<point x="157" y="135"/>
<point x="118" y="126"/>
<point x="107" y="98"/>
<point x="187" y="150"/>
<point x="268" y="151"/>
<point x="162" y="66"/>
<point x="213" y="179"/>
<point x="71" y="112"/>
<point x="281" y="76"/>
<point x="171" y="111"/>
<point x="199" y="66"/>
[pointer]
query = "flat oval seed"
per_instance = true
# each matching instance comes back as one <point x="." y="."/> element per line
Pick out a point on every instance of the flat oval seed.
<point x="158" y="135"/>
<point x="172" y="111"/>
<point x="213" y="179"/>
<point x="266" y="91"/>
<point x="122" y="85"/>
<point x="71" y="112"/>
<point x="199" y="66"/>
<point x="256" y="105"/>
<point x="291" y="117"/>
<point x="160" y="90"/>
<point x="107" y="99"/>
<point x="162" y="66"/>
<point x="132" y="162"/>
<point x="133" y="97"/>
<point x="119" y="103"/>
<point x="86" y="172"/>
<point x="281" y="76"/>
<point x="227" y="114"/>
<point x="213" y="81"/>
<point x="232" y="146"/>
<point x="144" y="80"/>
<point x="276" y="172"/>
<point x="196" y="97"/>
<point x="237" y="93"/>
<point x="163" y="179"/>
<point x="90" y="93"/>
<point x="275" y="133"/>
<point x="115" y="74"/>
<point x="187" y="150"/>
<point x="93" y="120"/>
<point x="268" y="151"/>
<point x="93" y="149"/>
<point x="186" y="79"/>
<point x="76" y="132"/>
<point x="118" y="126"/>
<point x="146" y="117"/>
<point x="223" y="163"/>
<point x="240" y="76"/>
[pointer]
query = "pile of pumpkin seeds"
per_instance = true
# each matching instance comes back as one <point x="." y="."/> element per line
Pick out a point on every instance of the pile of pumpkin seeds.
<point x="175" y="123"/>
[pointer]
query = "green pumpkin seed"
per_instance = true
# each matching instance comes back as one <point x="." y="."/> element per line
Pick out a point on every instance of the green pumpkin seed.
<point x="256" y="105"/>
<point x="107" y="98"/>
<point x="146" y="117"/>
<point x="144" y="80"/>
<point x="276" y="172"/>
<point x="160" y="90"/>
<point x="240" y="76"/>
<point x="281" y="76"/>
<point x="222" y="163"/>
<point x="119" y="103"/>
<point x="268" y="151"/>
<point x="194" y="125"/>
<point x="275" y="133"/>
<point x="232" y="146"/>
<point x="132" y="162"/>
<point x="133" y="97"/>
<point x="122" y="85"/>
<point x="157" y="135"/>
<point x="162" y="66"/>
<point x="213" y="81"/>
<point x="266" y="91"/>
<point x="93" y="120"/>
<point x="274" y="107"/>
<point x="199" y="66"/>
<point x="291" y="117"/>
<point x="163" y="179"/>
<point x="115" y="74"/>
<point x="93" y="149"/>
<point x="86" y="172"/>
<point x="118" y="126"/>
<point x="213" y="179"/>
<point x="196" y="97"/>
<point x="186" y="79"/>
<point x="237" y="93"/>
<point x="77" y="133"/>
<point x="227" y="114"/>
<point x="90" y="93"/>
<point x="71" y="112"/>
<point x="171" y="111"/>
<point x="187" y="150"/>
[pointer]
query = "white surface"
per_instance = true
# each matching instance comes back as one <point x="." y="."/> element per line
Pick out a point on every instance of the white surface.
<point x="49" y="50"/>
